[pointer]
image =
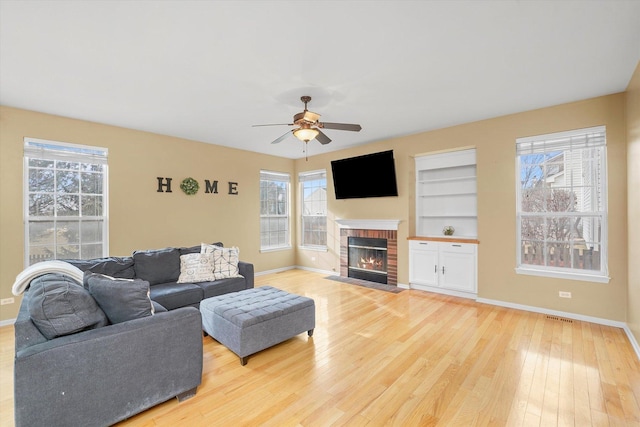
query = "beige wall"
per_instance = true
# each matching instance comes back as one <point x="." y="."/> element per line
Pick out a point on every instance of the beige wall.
<point x="142" y="218"/>
<point x="139" y="216"/>
<point x="633" y="186"/>
<point x="494" y="140"/>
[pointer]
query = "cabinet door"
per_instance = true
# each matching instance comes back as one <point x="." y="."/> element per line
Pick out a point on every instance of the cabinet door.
<point x="423" y="265"/>
<point x="458" y="267"/>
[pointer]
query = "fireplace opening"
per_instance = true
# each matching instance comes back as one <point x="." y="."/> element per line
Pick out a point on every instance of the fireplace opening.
<point x="367" y="259"/>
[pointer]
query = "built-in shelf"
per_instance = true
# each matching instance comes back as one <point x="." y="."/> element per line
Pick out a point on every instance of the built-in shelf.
<point x="446" y="193"/>
<point x="436" y="180"/>
<point x="450" y="239"/>
<point x="448" y="216"/>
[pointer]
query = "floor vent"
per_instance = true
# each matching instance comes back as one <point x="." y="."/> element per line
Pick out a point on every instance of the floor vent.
<point x="560" y="319"/>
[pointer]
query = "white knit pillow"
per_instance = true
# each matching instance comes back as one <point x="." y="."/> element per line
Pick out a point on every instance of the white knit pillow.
<point x="225" y="261"/>
<point x="196" y="268"/>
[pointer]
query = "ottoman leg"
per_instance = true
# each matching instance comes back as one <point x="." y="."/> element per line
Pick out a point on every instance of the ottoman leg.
<point x="243" y="360"/>
<point x="310" y="332"/>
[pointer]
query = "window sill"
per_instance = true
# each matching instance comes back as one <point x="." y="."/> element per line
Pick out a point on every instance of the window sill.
<point x="313" y="248"/>
<point x="279" y="248"/>
<point x="563" y="275"/>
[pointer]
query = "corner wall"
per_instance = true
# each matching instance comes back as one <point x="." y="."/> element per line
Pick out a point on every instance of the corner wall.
<point x="633" y="201"/>
<point x="139" y="216"/>
<point x="494" y="140"/>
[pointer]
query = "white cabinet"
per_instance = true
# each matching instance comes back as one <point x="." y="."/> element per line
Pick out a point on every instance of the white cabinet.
<point x="423" y="263"/>
<point x="446" y="193"/>
<point x="448" y="267"/>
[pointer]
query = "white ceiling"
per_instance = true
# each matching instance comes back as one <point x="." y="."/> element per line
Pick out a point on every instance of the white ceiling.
<point x="209" y="70"/>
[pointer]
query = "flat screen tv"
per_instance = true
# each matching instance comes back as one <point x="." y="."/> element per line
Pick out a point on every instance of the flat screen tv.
<point x="371" y="175"/>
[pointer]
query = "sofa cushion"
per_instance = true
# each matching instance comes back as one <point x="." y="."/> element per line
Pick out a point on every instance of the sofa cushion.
<point x="120" y="299"/>
<point x="173" y="295"/>
<point x="119" y="267"/>
<point x="157" y="266"/>
<point x="225" y="261"/>
<point x="196" y="268"/>
<point x="223" y="286"/>
<point x="58" y="306"/>
<point x="196" y="249"/>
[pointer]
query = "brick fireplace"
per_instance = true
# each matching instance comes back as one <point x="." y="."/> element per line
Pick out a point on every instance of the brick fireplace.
<point x="386" y="230"/>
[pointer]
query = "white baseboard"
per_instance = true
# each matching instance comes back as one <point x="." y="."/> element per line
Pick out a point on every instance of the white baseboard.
<point x="591" y="319"/>
<point x="444" y="291"/>
<point x="632" y="339"/>
<point x="7" y="322"/>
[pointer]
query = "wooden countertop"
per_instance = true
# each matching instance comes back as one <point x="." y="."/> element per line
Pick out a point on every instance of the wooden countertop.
<point x="445" y="239"/>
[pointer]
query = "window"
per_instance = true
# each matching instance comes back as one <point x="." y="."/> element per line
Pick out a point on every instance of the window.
<point x="274" y="211"/>
<point x="313" y="194"/>
<point x="562" y="205"/>
<point x="65" y="201"/>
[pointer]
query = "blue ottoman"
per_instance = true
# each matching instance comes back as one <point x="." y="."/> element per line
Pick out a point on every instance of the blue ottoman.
<point x="251" y="320"/>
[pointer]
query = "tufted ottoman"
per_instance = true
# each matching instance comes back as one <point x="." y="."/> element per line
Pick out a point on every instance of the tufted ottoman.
<point x="254" y="319"/>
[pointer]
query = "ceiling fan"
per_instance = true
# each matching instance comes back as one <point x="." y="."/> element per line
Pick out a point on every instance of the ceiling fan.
<point x="309" y="126"/>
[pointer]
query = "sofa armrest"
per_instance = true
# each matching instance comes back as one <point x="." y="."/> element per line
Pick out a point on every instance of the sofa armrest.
<point x="246" y="269"/>
<point x="104" y="375"/>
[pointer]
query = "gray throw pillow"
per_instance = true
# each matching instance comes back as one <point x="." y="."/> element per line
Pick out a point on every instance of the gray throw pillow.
<point x="120" y="267"/>
<point x="157" y="266"/>
<point x="59" y="306"/>
<point x="120" y="299"/>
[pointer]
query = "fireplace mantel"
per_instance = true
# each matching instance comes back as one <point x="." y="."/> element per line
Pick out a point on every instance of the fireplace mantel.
<point x="369" y="224"/>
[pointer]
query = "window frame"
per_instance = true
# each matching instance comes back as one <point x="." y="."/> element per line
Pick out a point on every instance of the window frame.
<point x="304" y="177"/>
<point x="599" y="276"/>
<point x="48" y="150"/>
<point x="273" y="176"/>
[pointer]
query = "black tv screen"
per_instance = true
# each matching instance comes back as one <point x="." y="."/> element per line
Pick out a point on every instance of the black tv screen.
<point x="371" y="175"/>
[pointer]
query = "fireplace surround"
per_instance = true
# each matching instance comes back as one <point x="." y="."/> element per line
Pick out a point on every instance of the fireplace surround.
<point x="370" y="229"/>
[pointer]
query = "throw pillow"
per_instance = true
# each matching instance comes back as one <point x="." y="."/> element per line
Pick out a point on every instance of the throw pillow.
<point x="59" y="306"/>
<point x="157" y="266"/>
<point x="196" y="268"/>
<point x="120" y="267"/>
<point x="196" y="249"/>
<point x="120" y="299"/>
<point x="225" y="262"/>
<point x="206" y="248"/>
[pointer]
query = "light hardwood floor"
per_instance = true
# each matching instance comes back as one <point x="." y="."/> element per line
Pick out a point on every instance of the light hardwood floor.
<point x="407" y="359"/>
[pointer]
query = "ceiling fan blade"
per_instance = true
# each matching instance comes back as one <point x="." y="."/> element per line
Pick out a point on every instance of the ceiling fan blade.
<point x="322" y="138"/>
<point x="281" y="138"/>
<point x="340" y="126"/>
<point x="274" y="124"/>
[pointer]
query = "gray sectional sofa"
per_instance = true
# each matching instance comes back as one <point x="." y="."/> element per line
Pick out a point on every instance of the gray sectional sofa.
<point x="98" y="352"/>
<point x="161" y="268"/>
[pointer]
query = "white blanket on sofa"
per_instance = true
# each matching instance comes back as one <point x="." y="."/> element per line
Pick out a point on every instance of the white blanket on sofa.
<point x="41" y="268"/>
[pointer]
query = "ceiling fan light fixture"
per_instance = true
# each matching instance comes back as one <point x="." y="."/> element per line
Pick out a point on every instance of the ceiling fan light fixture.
<point x="306" y="134"/>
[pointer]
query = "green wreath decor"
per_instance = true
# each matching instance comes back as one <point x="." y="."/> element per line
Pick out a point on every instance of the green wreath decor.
<point x="190" y="186"/>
